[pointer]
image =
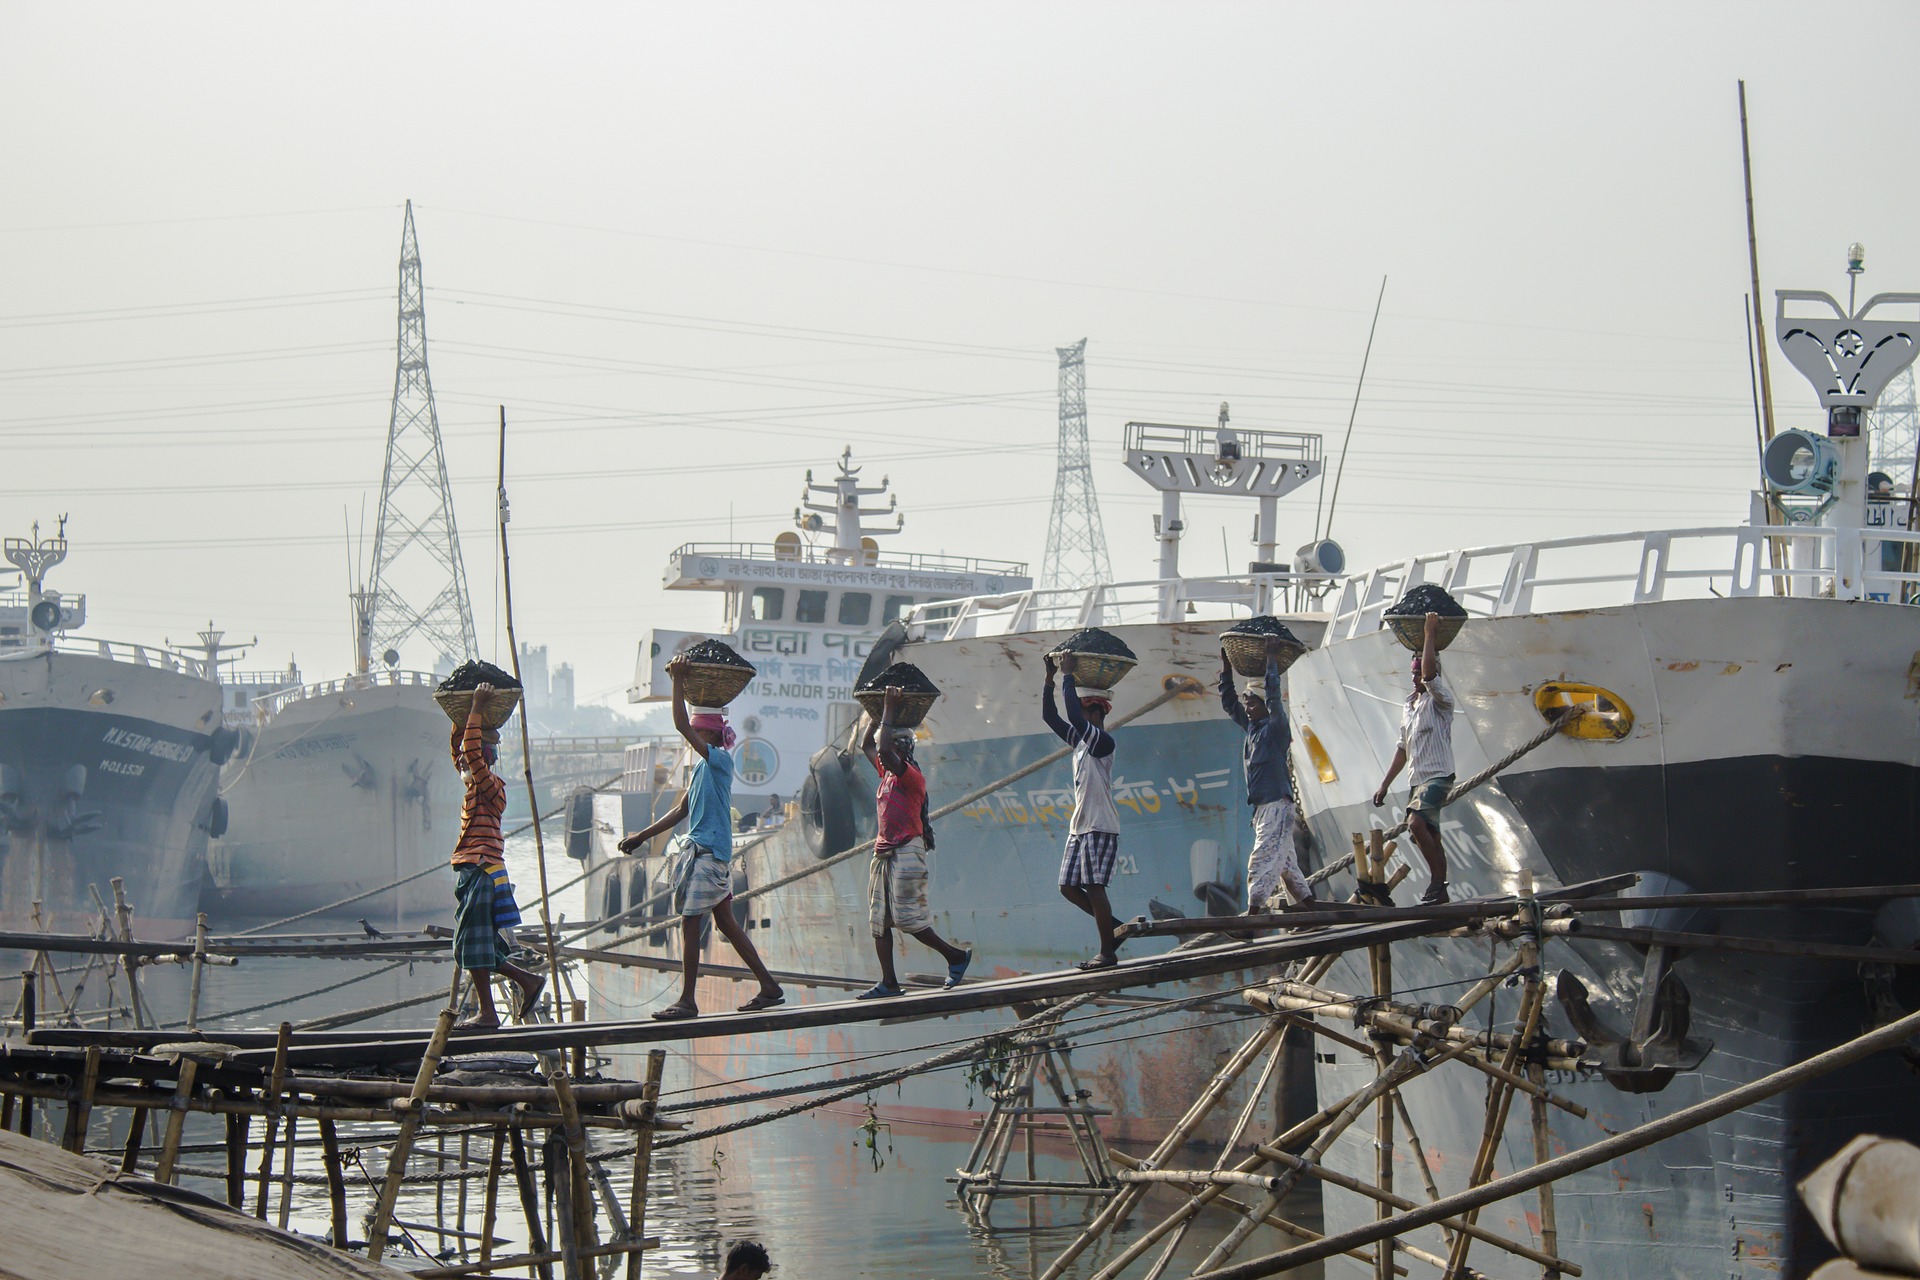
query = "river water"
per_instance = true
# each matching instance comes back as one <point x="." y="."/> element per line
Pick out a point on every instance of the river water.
<point x="840" y="1192"/>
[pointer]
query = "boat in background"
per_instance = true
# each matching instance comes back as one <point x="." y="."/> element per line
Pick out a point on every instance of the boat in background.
<point x="108" y="756"/>
<point x="339" y="787"/>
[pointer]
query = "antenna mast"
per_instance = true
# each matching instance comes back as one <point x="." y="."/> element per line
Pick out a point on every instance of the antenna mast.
<point x="416" y="546"/>
<point x="1076" y="543"/>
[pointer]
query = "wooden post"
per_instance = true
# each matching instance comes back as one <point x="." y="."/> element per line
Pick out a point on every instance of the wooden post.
<point x="237" y="1126"/>
<point x="336" y="1182"/>
<point x="136" y="1129"/>
<point x="27" y="999"/>
<point x="566" y="1223"/>
<point x="643" y="1160"/>
<point x="529" y="1199"/>
<point x="80" y="1110"/>
<point x="579" y="1050"/>
<point x="286" y="1171"/>
<point x="123" y="917"/>
<point x="276" y="1082"/>
<point x="410" y="1108"/>
<point x="491" y="1203"/>
<point x="6" y="1112"/>
<point x="460" y="1199"/>
<point x="1382" y="957"/>
<point x="199" y="972"/>
<point x="581" y="1198"/>
<point x="176" y="1118"/>
<point x="1542" y="1152"/>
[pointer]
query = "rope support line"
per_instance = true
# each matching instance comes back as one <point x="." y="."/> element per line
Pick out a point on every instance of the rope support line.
<point x="1566" y="717"/>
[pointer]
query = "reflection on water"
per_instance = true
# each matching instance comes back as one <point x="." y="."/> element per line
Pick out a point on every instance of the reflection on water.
<point x="826" y="1196"/>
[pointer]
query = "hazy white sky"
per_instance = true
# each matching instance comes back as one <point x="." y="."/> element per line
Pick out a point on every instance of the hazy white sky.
<point x="696" y="249"/>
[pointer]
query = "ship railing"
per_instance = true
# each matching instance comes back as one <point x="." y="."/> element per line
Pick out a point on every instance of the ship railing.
<point x="1119" y="603"/>
<point x="801" y="553"/>
<point x="159" y="657"/>
<point x="268" y="704"/>
<point x="1610" y="570"/>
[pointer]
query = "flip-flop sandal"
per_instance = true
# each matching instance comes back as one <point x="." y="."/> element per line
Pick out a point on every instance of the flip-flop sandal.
<point x="530" y="999"/>
<point x="676" y="1013"/>
<point x="1098" y="962"/>
<point x="763" y="1001"/>
<point x="881" y="991"/>
<point x="955" y="972"/>
<point x="474" y="1024"/>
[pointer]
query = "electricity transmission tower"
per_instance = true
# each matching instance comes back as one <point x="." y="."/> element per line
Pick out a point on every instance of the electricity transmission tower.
<point x="1896" y="431"/>
<point x="1076" y="544"/>
<point x="419" y="580"/>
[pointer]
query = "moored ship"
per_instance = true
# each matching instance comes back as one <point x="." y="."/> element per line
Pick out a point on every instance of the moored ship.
<point x="339" y="787"/>
<point x="108" y="757"/>
<point x="1749" y="723"/>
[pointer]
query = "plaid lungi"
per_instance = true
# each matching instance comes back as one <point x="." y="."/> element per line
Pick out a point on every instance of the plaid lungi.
<point x="476" y="940"/>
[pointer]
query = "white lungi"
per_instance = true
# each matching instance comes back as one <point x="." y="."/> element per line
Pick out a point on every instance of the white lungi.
<point x="1273" y="861"/>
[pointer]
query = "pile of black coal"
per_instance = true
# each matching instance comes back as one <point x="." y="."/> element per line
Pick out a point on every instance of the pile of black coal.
<point x="474" y="673"/>
<point x="1265" y="625"/>
<point x="1425" y="599"/>
<point x="714" y="653"/>
<point x="1094" y="640"/>
<point x="901" y="675"/>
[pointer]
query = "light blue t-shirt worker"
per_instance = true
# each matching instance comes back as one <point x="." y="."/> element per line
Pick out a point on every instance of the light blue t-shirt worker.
<point x="710" y="804"/>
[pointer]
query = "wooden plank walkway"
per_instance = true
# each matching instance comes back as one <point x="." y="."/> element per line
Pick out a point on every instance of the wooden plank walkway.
<point x="343" y="1049"/>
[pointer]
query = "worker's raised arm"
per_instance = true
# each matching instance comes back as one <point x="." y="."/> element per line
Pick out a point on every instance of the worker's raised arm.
<point x="1429" y="654"/>
<point x="1047" y="709"/>
<point x="867" y="741"/>
<point x="682" y="722"/>
<point x="471" y="754"/>
<point x="890" y="756"/>
<point x="1229" y="697"/>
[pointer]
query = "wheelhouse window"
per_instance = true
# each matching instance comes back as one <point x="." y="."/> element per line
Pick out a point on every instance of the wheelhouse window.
<point x="766" y="604"/>
<point x="856" y="607"/>
<point x="810" y="607"/>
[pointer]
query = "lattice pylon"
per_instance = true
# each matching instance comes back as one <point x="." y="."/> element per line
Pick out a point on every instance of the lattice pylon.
<point x="1076" y="542"/>
<point x="1896" y="431"/>
<point x="416" y="549"/>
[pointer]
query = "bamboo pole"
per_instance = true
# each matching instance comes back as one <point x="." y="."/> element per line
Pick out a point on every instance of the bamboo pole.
<point x="529" y="1202"/>
<point x="410" y="1111"/>
<point x="336" y="1182"/>
<point x="276" y="1082"/>
<point x="1382" y="963"/>
<point x="199" y="972"/>
<point x="526" y="741"/>
<point x="566" y="1213"/>
<point x="541" y="1260"/>
<point x="286" y="1173"/>
<point x="80" y="1110"/>
<point x="490" y="1202"/>
<point x="1890" y="1036"/>
<point x="176" y="1118"/>
<point x="136" y="1129"/>
<point x="581" y="1198"/>
<point x="643" y="1157"/>
<point x="238" y="1132"/>
<point x="460" y="1201"/>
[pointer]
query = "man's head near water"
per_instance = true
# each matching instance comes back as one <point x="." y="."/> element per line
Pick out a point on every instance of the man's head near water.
<point x="746" y="1261"/>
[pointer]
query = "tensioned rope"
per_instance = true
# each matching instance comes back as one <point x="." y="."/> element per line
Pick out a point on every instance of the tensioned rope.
<point x="1566" y="717"/>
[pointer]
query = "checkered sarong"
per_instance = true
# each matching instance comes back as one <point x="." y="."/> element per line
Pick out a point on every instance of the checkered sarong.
<point x="476" y="940"/>
<point x="1089" y="859"/>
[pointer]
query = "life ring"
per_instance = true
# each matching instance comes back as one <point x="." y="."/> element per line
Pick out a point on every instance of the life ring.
<point x="826" y="805"/>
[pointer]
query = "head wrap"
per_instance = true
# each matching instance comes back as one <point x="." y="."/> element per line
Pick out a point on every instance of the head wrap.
<point x="714" y="722"/>
<point x="1105" y="700"/>
<point x="902" y="740"/>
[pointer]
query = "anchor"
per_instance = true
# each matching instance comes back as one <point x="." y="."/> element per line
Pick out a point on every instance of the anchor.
<point x="1658" y="1047"/>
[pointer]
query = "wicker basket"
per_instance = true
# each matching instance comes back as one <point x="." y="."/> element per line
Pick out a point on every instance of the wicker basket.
<point x="1411" y="630"/>
<point x="458" y="704"/>
<point x="1097" y="670"/>
<point x="913" y="706"/>
<point x="714" y="684"/>
<point x="1247" y="652"/>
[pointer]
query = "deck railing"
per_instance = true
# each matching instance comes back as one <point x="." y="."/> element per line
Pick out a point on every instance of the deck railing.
<point x="1608" y="570"/>
<point x="32" y="644"/>
<point x="268" y="704"/>
<point x="1118" y="603"/>
<point x="802" y="553"/>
